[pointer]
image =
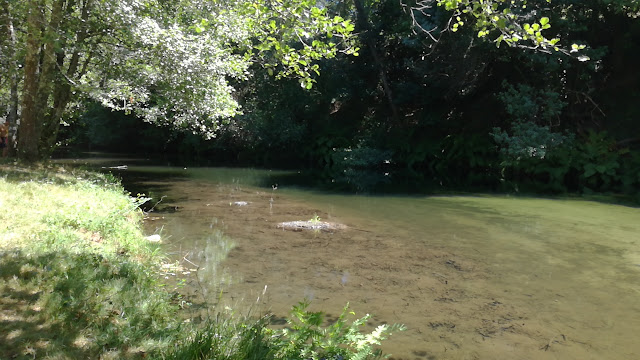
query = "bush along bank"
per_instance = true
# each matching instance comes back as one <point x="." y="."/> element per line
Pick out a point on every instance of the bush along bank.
<point x="78" y="280"/>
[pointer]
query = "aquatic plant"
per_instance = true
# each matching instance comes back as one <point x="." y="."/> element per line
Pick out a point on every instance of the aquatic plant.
<point x="315" y="220"/>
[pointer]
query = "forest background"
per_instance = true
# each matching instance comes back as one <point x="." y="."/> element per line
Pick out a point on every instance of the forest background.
<point x="529" y="96"/>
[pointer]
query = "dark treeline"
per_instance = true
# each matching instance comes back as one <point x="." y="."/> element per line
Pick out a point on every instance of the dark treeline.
<point x="445" y="107"/>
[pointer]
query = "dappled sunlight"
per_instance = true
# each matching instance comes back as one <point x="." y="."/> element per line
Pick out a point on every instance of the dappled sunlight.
<point x="25" y="332"/>
<point x="76" y="275"/>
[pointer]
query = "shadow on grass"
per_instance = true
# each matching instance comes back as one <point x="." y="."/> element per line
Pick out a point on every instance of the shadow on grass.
<point x="26" y="332"/>
<point x="80" y="306"/>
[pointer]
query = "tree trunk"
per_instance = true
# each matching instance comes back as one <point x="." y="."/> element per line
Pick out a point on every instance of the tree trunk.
<point x="363" y="24"/>
<point x="62" y="87"/>
<point x="10" y="44"/>
<point x="27" y="133"/>
<point x="48" y="78"/>
<point x="12" y="117"/>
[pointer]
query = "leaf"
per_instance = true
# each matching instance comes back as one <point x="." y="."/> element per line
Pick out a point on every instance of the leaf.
<point x="589" y="170"/>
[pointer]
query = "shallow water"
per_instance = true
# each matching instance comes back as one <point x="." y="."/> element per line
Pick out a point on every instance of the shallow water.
<point x="484" y="277"/>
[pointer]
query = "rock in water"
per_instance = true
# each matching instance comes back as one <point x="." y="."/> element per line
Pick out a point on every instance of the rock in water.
<point x="155" y="238"/>
<point x="310" y="225"/>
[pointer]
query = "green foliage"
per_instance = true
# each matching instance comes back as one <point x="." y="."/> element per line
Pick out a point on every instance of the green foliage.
<point x="450" y="90"/>
<point x="225" y="338"/>
<point x="305" y="338"/>
<point x="228" y="37"/>
<point x="100" y="128"/>
<point x="291" y="37"/>
<point x="324" y="148"/>
<point x="509" y="19"/>
<point x="361" y="166"/>
<point x="598" y="161"/>
<point x="464" y="160"/>
<point x="360" y="157"/>
<point x="588" y="164"/>
<point x="228" y="337"/>
<point x="530" y="147"/>
<point x="170" y="63"/>
<point x="526" y="103"/>
<point x="630" y="174"/>
<point x="528" y="140"/>
<point x="315" y="219"/>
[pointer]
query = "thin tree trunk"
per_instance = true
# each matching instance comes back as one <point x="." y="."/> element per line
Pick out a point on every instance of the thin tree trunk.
<point x="63" y="88"/>
<point x="45" y="114"/>
<point x="27" y="132"/>
<point x="12" y="117"/>
<point x="10" y="46"/>
<point x="363" y="24"/>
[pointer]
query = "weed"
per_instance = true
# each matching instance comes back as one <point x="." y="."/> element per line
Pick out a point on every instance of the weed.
<point x="315" y="220"/>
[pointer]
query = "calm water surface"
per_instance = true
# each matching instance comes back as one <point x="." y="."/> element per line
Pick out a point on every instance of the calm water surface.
<point x="473" y="277"/>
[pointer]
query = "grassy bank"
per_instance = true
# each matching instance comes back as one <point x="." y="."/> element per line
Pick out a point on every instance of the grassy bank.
<point x="79" y="281"/>
<point x="75" y="270"/>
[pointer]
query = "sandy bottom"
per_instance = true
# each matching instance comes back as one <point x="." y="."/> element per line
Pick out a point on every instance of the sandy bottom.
<point x="454" y="307"/>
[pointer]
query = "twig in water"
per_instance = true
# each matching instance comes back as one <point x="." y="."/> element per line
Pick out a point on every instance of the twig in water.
<point x="553" y="341"/>
<point x="156" y="204"/>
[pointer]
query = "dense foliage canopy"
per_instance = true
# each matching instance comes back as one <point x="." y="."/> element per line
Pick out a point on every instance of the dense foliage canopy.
<point x="498" y="94"/>
<point x="168" y="61"/>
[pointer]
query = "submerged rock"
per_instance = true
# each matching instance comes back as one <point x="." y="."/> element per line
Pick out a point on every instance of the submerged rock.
<point x="310" y="225"/>
<point x="154" y="238"/>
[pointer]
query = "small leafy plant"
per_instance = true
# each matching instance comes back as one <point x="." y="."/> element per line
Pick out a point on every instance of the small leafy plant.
<point x="315" y="220"/>
<point x="305" y="338"/>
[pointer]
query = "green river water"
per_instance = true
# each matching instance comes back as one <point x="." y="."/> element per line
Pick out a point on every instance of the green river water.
<point x="472" y="277"/>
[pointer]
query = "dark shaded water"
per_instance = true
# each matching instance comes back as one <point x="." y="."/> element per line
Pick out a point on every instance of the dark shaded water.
<point x="477" y="277"/>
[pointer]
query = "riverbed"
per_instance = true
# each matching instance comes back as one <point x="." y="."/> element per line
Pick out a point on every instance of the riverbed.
<point x="471" y="277"/>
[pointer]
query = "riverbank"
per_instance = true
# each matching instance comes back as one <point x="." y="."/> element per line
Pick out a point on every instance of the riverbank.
<point x="75" y="271"/>
<point x="79" y="280"/>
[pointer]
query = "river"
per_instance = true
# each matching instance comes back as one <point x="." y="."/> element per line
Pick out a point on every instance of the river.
<point x="471" y="277"/>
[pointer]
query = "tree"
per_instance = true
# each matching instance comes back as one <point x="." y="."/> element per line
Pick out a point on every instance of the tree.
<point x="170" y="62"/>
<point x="9" y="75"/>
<point x="510" y="20"/>
<point x="363" y="24"/>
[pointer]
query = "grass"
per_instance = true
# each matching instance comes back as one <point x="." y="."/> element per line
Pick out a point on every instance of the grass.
<point x="78" y="281"/>
<point x="76" y="277"/>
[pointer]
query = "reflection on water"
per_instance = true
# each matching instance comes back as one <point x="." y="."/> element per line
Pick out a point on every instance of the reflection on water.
<point x="211" y="274"/>
<point x="471" y="277"/>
